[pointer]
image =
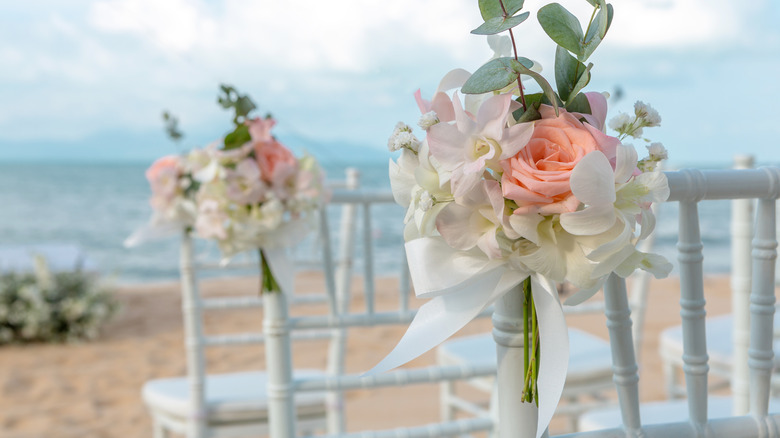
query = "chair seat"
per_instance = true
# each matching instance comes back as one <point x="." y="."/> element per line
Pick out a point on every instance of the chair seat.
<point x="671" y="411"/>
<point x="235" y="397"/>
<point x="589" y="356"/>
<point x="720" y="346"/>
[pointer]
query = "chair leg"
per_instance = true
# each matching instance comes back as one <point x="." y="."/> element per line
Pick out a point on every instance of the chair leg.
<point x="446" y="392"/>
<point x="671" y="380"/>
<point x="158" y="430"/>
<point x="574" y="417"/>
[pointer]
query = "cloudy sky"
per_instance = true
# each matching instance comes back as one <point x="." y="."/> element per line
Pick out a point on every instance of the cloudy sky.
<point x="88" y="79"/>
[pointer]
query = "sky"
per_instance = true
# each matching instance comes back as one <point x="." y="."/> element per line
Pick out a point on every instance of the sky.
<point x="87" y="80"/>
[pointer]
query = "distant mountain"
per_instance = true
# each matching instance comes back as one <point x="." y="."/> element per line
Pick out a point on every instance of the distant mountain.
<point x="335" y="151"/>
<point x="146" y="146"/>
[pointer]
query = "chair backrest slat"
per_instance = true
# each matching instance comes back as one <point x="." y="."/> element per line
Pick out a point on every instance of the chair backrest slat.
<point x="368" y="258"/>
<point x="622" y="345"/>
<point x="692" y="311"/>
<point x="762" y="305"/>
<point x="193" y="332"/>
<point x="741" y="235"/>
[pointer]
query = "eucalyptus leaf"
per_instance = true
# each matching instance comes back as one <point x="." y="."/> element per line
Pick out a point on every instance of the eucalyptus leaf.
<point x="244" y="106"/>
<point x="494" y="75"/>
<point x="589" y="48"/>
<point x="562" y="27"/>
<point x="512" y="6"/>
<point x="598" y="26"/>
<point x="567" y="71"/>
<point x="529" y="115"/>
<point x="499" y="24"/>
<point x="546" y="87"/>
<point x="237" y="138"/>
<point x="579" y="104"/>
<point x="492" y="8"/>
<point x="610" y="15"/>
<point x="583" y="81"/>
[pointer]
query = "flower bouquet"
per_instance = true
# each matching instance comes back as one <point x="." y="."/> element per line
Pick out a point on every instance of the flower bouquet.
<point x="246" y="191"/>
<point x="511" y="192"/>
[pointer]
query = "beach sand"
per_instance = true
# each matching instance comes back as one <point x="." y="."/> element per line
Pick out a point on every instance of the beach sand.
<point x="92" y="389"/>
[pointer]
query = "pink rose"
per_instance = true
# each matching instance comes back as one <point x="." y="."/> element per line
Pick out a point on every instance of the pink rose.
<point x="537" y="177"/>
<point x="163" y="176"/>
<point x="272" y="158"/>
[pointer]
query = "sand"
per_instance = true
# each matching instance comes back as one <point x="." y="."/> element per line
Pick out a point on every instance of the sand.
<point x="92" y="389"/>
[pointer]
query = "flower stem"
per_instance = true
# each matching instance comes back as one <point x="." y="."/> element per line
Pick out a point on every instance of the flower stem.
<point x="267" y="281"/>
<point x="514" y="48"/>
<point x="530" y="346"/>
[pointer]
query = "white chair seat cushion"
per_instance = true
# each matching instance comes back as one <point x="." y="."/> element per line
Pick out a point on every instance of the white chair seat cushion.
<point x="672" y="411"/>
<point x="589" y="356"/>
<point x="720" y="344"/>
<point x="229" y="397"/>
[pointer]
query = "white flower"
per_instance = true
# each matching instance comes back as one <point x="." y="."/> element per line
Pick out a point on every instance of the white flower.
<point x="647" y="113"/>
<point x="402" y="138"/>
<point x="620" y="122"/>
<point x="244" y="185"/>
<point x="474" y="219"/>
<point x="427" y="120"/>
<point x="426" y="201"/>
<point x="657" y="152"/>
<point x="211" y="220"/>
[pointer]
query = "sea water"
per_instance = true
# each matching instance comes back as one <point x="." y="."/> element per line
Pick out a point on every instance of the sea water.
<point x="98" y="205"/>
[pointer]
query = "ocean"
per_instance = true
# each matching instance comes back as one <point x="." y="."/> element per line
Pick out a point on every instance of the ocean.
<point x="96" y="206"/>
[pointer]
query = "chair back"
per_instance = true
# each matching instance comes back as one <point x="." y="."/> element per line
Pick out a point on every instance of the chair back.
<point x="194" y="305"/>
<point x="689" y="188"/>
<point x="280" y="327"/>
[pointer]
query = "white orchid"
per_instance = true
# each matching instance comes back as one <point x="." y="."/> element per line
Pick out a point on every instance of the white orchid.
<point x="473" y="145"/>
<point x="474" y="219"/>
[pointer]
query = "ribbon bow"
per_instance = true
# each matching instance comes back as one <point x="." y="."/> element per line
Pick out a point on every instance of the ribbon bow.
<point x="464" y="283"/>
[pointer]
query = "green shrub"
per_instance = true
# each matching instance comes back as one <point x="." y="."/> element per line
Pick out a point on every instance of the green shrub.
<point x="52" y="307"/>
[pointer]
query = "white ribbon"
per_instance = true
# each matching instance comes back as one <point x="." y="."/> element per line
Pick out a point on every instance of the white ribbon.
<point x="281" y="268"/>
<point x="464" y="283"/>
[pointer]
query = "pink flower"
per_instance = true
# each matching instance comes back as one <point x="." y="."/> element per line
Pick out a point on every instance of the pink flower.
<point x="163" y="176"/>
<point x="244" y="185"/>
<point x="537" y="177"/>
<point x="260" y="129"/>
<point x="469" y="147"/>
<point x="272" y="157"/>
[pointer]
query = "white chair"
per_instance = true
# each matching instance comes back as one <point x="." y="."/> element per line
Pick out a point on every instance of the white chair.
<point x="727" y="335"/>
<point x="235" y="404"/>
<point x="701" y="414"/>
<point x="285" y="389"/>
<point x="589" y="380"/>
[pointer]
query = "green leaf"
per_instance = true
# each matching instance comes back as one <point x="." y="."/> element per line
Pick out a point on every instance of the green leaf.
<point x="579" y="104"/>
<point x="562" y="27"/>
<point x="512" y="6"/>
<point x="492" y="8"/>
<point x="546" y="87"/>
<point x="567" y="71"/>
<point x="237" y="138"/>
<point x="499" y="24"/>
<point x="598" y="26"/>
<point x="244" y="106"/>
<point x="583" y="81"/>
<point x="610" y="15"/>
<point x="494" y="75"/>
<point x="172" y="126"/>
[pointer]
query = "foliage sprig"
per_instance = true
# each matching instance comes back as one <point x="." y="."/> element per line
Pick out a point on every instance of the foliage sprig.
<point x="574" y="47"/>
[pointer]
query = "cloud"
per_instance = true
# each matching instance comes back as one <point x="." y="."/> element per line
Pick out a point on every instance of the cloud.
<point x="344" y="68"/>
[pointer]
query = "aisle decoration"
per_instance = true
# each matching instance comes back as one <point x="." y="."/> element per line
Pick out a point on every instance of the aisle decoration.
<point x="515" y="191"/>
<point x="245" y="191"/>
